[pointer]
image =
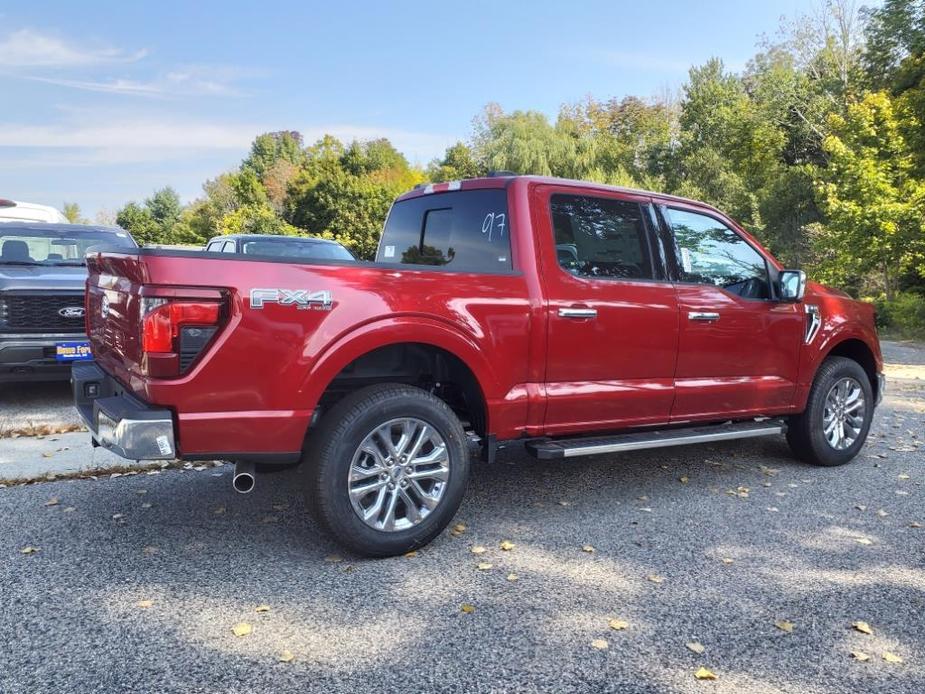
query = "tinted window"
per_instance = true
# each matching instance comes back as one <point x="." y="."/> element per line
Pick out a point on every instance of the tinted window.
<point x="463" y="230"/>
<point x="600" y="237"/>
<point x="712" y="253"/>
<point x="296" y="248"/>
<point x="50" y="245"/>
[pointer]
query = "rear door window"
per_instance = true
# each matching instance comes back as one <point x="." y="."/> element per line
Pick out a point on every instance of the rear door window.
<point x="601" y="237"/>
<point x="466" y="230"/>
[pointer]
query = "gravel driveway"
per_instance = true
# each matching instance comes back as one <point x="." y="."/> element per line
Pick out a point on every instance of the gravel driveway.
<point x="138" y="581"/>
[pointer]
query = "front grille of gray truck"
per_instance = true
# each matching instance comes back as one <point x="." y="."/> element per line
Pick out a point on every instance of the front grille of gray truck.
<point x="41" y="313"/>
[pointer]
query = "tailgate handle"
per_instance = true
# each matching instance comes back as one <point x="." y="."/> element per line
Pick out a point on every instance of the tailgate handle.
<point x="578" y="313"/>
<point x="705" y="316"/>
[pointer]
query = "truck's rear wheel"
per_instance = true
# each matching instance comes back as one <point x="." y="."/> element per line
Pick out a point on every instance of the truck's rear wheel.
<point x="387" y="469"/>
<point x="834" y="425"/>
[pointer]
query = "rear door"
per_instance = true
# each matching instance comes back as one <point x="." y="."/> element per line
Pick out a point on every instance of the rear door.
<point x="612" y="315"/>
<point x="738" y="347"/>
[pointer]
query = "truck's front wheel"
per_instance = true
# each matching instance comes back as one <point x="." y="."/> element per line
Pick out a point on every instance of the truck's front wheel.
<point x="387" y="469"/>
<point x="838" y="414"/>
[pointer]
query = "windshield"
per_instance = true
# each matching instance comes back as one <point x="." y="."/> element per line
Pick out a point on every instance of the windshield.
<point x="30" y="245"/>
<point x="297" y="249"/>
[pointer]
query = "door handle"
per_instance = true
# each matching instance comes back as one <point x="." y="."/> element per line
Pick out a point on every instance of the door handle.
<point x="704" y="316"/>
<point x="578" y="313"/>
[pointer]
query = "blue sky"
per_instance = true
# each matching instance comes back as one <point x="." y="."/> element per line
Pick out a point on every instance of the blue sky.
<point x="103" y="102"/>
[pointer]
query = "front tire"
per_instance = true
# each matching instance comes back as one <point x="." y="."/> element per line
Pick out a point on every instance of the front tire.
<point x="836" y="421"/>
<point x="387" y="469"/>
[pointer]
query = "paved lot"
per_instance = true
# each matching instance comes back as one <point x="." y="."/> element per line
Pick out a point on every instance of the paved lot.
<point x="709" y="544"/>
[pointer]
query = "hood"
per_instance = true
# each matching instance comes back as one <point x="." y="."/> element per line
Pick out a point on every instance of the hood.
<point x="42" y="277"/>
<point x="817" y="289"/>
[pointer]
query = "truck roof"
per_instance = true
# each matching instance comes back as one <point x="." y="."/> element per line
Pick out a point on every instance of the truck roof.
<point x="273" y="237"/>
<point x="502" y="181"/>
<point x="46" y="227"/>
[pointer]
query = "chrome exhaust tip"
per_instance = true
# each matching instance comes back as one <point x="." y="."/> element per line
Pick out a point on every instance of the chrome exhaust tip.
<point x="244" y="478"/>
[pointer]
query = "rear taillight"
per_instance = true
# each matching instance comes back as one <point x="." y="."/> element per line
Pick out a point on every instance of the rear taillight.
<point x="174" y="332"/>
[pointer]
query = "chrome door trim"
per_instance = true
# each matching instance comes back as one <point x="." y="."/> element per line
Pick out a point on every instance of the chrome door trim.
<point x="706" y="316"/>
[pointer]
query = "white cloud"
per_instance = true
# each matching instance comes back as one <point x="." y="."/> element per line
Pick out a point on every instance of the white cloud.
<point x="173" y="85"/>
<point x="94" y="141"/>
<point x="26" y="48"/>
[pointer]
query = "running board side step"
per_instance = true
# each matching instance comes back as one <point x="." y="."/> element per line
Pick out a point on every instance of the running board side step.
<point x="554" y="449"/>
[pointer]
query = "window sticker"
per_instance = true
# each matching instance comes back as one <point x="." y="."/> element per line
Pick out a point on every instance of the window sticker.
<point x="389" y="252"/>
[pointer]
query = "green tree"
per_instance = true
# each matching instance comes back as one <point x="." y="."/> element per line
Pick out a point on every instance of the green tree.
<point x="140" y="223"/>
<point x="71" y="211"/>
<point x="874" y="205"/>
<point x="457" y="164"/>
<point x="270" y="148"/>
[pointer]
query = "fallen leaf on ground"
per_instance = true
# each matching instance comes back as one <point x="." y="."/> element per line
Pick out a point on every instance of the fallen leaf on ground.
<point x="565" y="503"/>
<point x="882" y="513"/>
<point x="484" y="566"/>
<point x="704" y="674"/>
<point x="684" y="479"/>
<point x="891" y="657"/>
<point x="333" y="558"/>
<point x="861" y="507"/>
<point x="118" y="516"/>
<point x="618" y="624"/>
<point x="695" y="646"/>
<point x="588" y="548"/>
<point x="29" y="550"/>
<point x="863" y="541"/>
<point x="478" y="549"/>
<point x="53" y="501"/>
<point x="460" y="527"/>
<point x="784" y="625"/>
<point x="904" y="476"/>
<point x="506" y="545"/>
<point x="512" y="577"/>
<point x="467" y="608"/>
<point x="913" y="524"/>
<point x="68" y="509"/>
<point x="600" y="644"/>
<point x="860" y="655"/>
<point x="411" y="555"/>
<point x="144" y="604"/>
<point x="285" y="657"/>
<point x="241" y="629"/>
<point x="727" y="560"/>
<point x="262" y="608"/>
<point x="863" y="627"/>
<point x="218" y="510"/>
<point x="655" y="578"/>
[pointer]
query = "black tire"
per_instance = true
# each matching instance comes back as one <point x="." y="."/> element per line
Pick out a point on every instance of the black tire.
<point x="805" y="431"/>
<point x="330" y="452"/>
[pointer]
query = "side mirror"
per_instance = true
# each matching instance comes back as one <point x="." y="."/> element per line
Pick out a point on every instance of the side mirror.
<point x="792" y="284"/>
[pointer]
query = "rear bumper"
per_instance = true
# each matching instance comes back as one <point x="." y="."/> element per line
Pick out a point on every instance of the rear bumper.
<point x="118" y="421"/>
<point x="32" y="357"/>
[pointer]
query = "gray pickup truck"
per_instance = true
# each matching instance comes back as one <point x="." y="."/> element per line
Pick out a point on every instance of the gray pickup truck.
<point x="42" y="278"/>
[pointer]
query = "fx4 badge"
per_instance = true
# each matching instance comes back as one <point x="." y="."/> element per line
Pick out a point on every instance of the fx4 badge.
<point x="302" y="299"/>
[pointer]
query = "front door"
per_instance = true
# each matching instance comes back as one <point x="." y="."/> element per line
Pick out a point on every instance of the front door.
<point x="738" y="347"/>
<point x="612" y="315"/>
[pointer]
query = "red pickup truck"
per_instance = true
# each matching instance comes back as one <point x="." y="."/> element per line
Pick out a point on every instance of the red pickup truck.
<point x="574" y="317"/>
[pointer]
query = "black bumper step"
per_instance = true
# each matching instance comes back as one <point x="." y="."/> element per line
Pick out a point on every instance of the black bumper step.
<point x="552" y="449"/>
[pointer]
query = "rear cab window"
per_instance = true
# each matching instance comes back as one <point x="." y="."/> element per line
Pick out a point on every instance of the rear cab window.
<point x="464" y="230"/>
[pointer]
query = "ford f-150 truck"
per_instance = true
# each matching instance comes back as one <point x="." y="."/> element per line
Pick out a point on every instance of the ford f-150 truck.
<point x="574" y="317"/>
<point x="42" y="279"/>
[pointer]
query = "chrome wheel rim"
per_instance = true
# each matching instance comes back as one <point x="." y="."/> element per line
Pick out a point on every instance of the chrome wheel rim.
<point x="398" y="474"/>
<point x="843" y="414"/>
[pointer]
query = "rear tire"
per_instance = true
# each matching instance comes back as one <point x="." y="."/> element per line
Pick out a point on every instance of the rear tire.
<point x="393" y="445"/>
<point x="836" y="421"/>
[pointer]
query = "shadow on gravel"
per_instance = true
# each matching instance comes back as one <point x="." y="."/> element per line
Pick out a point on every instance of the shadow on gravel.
<point x="661" y="527"/>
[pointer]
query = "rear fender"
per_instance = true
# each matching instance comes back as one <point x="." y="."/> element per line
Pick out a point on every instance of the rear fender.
<point x="396" y="330"/>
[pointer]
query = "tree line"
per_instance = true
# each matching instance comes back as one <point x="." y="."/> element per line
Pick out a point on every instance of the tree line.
<point x="817" y="147"/>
